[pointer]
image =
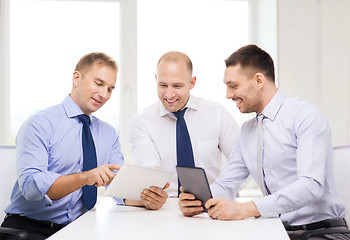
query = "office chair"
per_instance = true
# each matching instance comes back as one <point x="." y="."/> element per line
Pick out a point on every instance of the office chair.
<point x="342" y="176"/>
<point x="8" y="177"/>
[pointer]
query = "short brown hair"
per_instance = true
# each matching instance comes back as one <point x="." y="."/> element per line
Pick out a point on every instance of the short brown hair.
<point x="175" y="56"/>
<point x="253" y="57"/>
<point x="98" y="58"/>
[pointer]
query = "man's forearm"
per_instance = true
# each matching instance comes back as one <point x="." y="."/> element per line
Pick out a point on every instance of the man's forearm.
<point x="66" y="184"/>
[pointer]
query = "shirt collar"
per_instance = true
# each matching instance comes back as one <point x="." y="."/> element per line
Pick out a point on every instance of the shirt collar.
<point x="192" y="103"/>
<point x="71" y="108"/>
<point x="271" y="109"/>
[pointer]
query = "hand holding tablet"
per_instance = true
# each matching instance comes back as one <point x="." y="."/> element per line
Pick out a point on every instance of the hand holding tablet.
<point x="194" y="180"/>
<point x="131" y="180"/>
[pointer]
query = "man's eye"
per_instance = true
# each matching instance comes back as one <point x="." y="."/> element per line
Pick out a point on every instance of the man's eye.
<point x="98" y="84"/>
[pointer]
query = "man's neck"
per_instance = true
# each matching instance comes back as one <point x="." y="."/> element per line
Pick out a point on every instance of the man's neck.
<point x="268" y="94"/>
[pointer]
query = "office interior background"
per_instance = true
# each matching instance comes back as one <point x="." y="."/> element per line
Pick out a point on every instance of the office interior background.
<point x="42" y="40"/>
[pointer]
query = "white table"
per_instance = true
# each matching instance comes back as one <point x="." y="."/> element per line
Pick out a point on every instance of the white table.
<point x="109" y="221"/>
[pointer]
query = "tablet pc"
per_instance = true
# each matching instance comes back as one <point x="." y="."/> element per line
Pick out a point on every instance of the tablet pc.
<point x="194" y="180"/>
<point x="131" y="180"/>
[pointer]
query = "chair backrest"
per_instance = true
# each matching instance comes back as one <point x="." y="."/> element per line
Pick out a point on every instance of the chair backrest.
<point x="342" y="175"/>
<point x="8" y="176"/>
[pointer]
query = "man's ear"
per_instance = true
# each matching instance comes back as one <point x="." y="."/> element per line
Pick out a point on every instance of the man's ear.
<point x="156" y="77"/>
<point x="193" y="81"/>
<point x="260" y="79"/>
<point x="76" y="78"/>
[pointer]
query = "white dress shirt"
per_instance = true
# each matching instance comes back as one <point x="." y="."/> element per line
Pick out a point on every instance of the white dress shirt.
<point x="297" y="163"/>
<point x="212" y="130"/>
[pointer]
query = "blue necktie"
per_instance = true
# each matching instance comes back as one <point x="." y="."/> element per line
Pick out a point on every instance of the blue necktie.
<point x="89" y="161"/>
<point x="184" y="151"/>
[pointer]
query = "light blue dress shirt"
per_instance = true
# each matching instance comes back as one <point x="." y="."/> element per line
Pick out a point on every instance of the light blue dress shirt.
<point x="297" y="163"/>
<point x="49" y="145"/>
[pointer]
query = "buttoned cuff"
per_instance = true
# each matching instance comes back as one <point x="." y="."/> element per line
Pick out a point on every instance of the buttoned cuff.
<point x="267" y="206"/>
<point x="219" y="192"/>
<point x="119" y="201"/>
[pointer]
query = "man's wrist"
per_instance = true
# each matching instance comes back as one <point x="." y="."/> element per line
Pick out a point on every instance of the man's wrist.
<point x="251" y="210"/>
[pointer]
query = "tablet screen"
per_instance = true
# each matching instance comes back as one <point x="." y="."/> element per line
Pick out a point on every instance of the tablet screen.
<point x="194" y="180"/>
<point x="131" y="180"/>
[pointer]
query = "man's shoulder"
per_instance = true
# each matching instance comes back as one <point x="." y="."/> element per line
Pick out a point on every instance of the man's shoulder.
<point x="50" y="114"/>
<point x="208" y="106"/>
<point x="149" y="114"/>
<point x="205" y="102"/>
<point x="300" y="108"/>
<point x="44" y="122"/>
<point x="149" y="111"/>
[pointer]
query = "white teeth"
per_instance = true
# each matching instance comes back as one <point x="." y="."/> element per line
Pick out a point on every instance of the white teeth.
<point x="170" y="101"/>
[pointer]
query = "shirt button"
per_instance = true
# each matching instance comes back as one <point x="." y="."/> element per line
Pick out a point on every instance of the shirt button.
<point x="70" y="211"/>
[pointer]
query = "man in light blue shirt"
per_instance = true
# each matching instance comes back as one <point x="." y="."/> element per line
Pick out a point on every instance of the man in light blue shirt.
<point x="48" y="193"/>
<point x="296" y="170"/>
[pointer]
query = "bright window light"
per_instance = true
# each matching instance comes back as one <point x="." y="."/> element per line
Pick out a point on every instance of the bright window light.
<point x="47" y="40"/>
<point x="208" y="31"/>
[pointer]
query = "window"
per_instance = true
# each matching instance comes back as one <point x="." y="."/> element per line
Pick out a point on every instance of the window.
<point x="47" y="40"/>
<point x="207" y="31"/>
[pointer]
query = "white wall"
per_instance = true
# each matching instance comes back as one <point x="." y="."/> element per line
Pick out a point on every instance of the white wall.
<point x="128" y="72"/>
<point x="4" y="74"/>
<point x="263" y="25"/>
<point x="313" y="40"/>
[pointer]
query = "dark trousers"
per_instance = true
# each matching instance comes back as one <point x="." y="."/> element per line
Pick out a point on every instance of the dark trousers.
<point x="37" y="230"/>
<point x="333" y="233"/>
<point x="334" y="228"/>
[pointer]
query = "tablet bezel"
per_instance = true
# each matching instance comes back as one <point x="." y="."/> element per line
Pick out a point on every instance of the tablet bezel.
<point x="194" y="180"/>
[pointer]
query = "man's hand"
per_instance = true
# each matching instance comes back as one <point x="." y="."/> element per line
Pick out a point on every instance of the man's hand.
<point x="66" y="184"/>
<point x="188" y="205"/>
<point x="224" y="209"/>
<point x="102" y="175"/>
<point x="155" y="197"/>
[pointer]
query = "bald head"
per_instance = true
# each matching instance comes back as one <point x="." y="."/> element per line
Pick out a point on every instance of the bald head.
<point x="176" y="57"/>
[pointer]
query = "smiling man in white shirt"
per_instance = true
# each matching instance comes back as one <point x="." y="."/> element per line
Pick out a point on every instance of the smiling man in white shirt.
<point x="211" y="127"/>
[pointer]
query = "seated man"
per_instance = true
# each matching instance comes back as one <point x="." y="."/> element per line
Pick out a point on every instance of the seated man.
<point x="64" y="153"/>
<point x="287" y="149"/>
<point x="156" y="133"/>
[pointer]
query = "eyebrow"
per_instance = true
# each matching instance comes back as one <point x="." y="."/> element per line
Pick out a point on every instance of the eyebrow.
<point x="177" y="83"/>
